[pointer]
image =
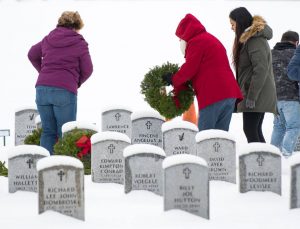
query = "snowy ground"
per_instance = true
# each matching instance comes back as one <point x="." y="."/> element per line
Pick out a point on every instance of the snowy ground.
<point x="126" y="38"/>
<point x="108" y="207"/>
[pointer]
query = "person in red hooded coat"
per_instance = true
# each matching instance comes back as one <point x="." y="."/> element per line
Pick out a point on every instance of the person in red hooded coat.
<point x="207" y="67"/>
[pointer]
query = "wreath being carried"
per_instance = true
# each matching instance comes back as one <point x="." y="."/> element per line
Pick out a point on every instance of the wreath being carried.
<point x="170" y="104"/>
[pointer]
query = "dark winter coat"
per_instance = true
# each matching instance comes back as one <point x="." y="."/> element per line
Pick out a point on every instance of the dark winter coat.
<point x="294" y="66"/>
<point x="287" y="90"/>
<point x="62" y="59"/>
<point x="206" y="65"/>
<point x="255" y="73"/>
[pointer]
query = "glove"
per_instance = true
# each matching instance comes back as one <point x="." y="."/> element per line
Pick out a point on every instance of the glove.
<point x="167" y="78"/>
<point x="250" y="103"/>
<point x="176" y="92"/>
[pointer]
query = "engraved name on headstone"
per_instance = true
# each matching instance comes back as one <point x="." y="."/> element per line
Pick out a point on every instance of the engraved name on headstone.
<point x="186" y="184"/>
<point x="107" y="157"/>
<point x="117" y="119"/>
<point x="295" y="181"/>
<point x="179" y="137"/>
<point x="146" y="128"/>
<point x="24" y="124"/>
<point x="61" y="186"/>
<point x="143" y="168"/>
<point x="22" y="173"/>
<point x="260" y="168"/>
<point x="217" y="147"/>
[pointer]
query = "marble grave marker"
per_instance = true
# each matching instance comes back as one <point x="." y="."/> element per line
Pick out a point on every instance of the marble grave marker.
<point x="186" y="184"/>
<point x="22" y="173"/>
<point x="260" y="168"/>
<point x="24" y="124"/>
<point x="143" y="168"/>
<point x="295" y="181"/>
<point x="107" y="160"/>
<point x="117" y="119"/>
<point x="179" y="137"/>
<point x="217" y="147"/>
<point x="146" y="128"/>
<point x="61" y="186"/>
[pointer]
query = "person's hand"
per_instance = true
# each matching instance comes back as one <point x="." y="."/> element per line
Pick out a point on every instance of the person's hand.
<point x="167" y="78"/>
<point x="250" y="104"/>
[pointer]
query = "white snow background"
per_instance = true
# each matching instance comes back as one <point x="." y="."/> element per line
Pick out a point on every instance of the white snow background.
<point x="126" y="38"/>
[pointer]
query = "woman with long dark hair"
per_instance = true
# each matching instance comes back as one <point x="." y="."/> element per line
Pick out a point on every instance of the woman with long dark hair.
<point x="252" y="60"/>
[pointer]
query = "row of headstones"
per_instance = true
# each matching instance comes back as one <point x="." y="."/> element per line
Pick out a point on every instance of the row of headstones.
<point x="216" y="147"/>
<point x="113" y="119"/>
<point x="175" y="137"/>
<point x="183" y="180"/>
<point x="218" y="151"/>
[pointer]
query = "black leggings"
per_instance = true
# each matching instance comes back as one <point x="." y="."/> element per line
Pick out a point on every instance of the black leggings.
<point x="252" y="125"/>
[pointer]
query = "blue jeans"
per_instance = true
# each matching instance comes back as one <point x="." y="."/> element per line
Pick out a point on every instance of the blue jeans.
<point x="286" y="128"/>
<point x="217" y="115"/>
<point x="56" y="106"/>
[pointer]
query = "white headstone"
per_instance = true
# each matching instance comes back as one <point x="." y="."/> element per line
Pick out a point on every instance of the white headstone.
<point x="186" y="184"/>
<point x="117" y="119"/>
<point x="179" y="137"/>
<point x="260" y="168"/>
<point x="24" y="123"/>
<point x="146" y="128"/>
<point x="107" y="160"/>
<point x="22" y="173"/>
<point x="217" y="147"/>
<point x="143" y="168"/>
<point x="61" y="186"/>
<point x="295" y="181"/>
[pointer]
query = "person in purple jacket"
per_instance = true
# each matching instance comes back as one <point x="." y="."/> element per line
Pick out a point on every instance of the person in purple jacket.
<point x="63" y="62"/>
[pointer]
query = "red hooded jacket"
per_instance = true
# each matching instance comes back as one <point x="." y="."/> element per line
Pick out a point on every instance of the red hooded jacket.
<point x="206" y="65"/>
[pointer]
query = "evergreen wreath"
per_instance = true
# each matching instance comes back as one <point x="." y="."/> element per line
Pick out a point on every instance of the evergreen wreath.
<point x="34" y="137"/>
<point x="68" y="146"/>
<point x="154" y="89"/>
<point x="3" y="169"/>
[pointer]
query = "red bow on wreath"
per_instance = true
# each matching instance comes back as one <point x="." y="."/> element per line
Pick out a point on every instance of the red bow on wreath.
<point x="176" y="92"/>
<point x="85" y="143"/>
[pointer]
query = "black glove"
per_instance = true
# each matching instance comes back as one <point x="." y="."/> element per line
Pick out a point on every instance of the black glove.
<point x="167" y="78"/>
<point x="250" y="103"/>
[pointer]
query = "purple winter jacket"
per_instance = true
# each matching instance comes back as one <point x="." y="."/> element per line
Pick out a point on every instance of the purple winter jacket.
<point x="62" y="59"/>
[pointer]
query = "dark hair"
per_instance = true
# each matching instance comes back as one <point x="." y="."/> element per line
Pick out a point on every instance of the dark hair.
<point x="243" y="20"/>
<point x="290" y="36"/>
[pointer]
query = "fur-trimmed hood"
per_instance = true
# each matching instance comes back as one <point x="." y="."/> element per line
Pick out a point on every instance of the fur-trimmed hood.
<point x="258" y="28"/>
